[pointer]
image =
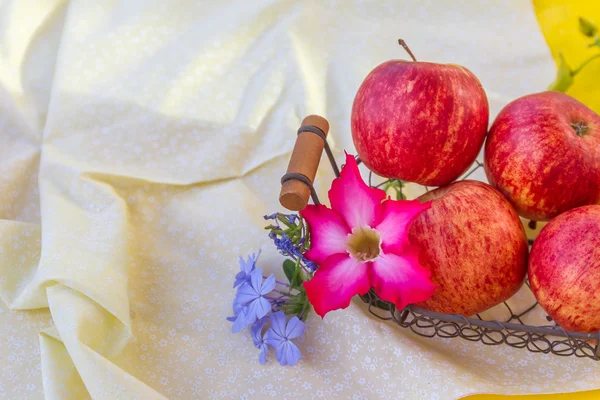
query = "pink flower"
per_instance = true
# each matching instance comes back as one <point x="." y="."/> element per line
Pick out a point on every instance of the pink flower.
<point x="361" y="242"/>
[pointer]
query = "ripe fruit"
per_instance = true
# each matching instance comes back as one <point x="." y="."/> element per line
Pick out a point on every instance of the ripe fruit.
<point x="419" y="122"/>
<point x="543" y="154"/>
<point x="564" y="269"/>
<point x="475" y="246"/>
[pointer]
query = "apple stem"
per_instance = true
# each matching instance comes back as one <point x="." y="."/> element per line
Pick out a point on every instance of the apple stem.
<point x="402" y="43"/>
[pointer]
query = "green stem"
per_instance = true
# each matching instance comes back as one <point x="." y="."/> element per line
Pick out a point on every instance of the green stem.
<point x="283" y="220"/>
<point x="305" y="309"/>
<point x="298" y="264"/>
<point x="586" y="62"/>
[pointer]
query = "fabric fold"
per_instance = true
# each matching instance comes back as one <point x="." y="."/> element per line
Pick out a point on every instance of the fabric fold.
<point x="160" y="131"/>
<point x="87" y="334"/>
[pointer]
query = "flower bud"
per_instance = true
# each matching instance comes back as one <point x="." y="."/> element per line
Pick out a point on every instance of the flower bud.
<point x="587" y="27"/>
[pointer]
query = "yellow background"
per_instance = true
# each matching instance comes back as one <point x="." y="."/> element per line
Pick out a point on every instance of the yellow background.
<point x="559" y="23"/>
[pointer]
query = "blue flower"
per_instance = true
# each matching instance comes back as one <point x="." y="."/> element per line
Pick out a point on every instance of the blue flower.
<point x="310" y="265"/>
<point x="288" y="248"/>
<point x="284" y="244"/>
<point x="251" y="295"/>
<point x="240" y="321"/>
<point x="240" y="315"/>
<point x="271" y="216"/>
<point x="280" y="335"/>
<point x="290" y="217"/>
<point x="259" y="339"/>
<point x="246" y="267"/>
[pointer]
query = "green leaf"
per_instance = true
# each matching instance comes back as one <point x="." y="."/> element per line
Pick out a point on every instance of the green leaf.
<point x="587" y="27"/>
<point x="297" y="305"/>
<point x="297" y="281"/>
<point x="289" y="269"/>
<point x="564" y="76"/>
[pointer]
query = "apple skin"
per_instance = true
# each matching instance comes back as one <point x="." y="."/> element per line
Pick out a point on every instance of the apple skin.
<point x="419" y="122"/>
<point x="536" y="159"/>
<point x="564" y="269"/>
<point x="474" y="244"/>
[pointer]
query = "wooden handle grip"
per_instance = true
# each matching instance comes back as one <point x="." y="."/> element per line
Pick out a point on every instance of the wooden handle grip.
<point x="304" y="160"/>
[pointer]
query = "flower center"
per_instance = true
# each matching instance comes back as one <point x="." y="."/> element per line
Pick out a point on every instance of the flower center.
<point x="364" y="244"/>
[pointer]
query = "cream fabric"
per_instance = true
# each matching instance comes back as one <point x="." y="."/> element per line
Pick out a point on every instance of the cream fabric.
<point x="140" y="144"/>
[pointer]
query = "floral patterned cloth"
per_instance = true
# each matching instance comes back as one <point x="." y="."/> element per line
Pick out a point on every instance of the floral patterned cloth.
<point x="141" y="142"/>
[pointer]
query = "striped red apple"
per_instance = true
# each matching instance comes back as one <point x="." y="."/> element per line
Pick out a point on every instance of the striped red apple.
<point x="564" y="269"/>
<point x="474" y="244"/>
<point x="419" y="122"/>
<point x="543" y="154"/>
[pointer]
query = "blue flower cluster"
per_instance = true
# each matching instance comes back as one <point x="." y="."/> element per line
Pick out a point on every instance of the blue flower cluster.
<point x="292" y="247"/>
<point x="261" y="304"/>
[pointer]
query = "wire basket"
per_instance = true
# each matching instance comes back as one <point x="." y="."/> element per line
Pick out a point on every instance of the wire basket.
<point x="512" y="331"/>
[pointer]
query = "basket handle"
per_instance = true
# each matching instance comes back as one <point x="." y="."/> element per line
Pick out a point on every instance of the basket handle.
<point x="296" y="184"/>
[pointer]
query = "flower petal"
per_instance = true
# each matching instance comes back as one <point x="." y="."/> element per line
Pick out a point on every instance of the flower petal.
<point x="268" y="285"/>
<point x="243" y="265"/>
<point x="262" y="357"/>
<point x="245" y="294"/>
<point x="258" y="309"/>
<point x="401" y="279"/>
<point x="338" y="279"/>
<point x="237" y="304"/>
<point x="256" y="279"/>
<point x="353" y="198"/>
<point x="256" y="332"/>
<point x="273" y="339"/>
<point x="295" y="328"/>
<point x="393" y="220"/>
<point x="253" y="260"/>
<point x="328" y="232"/>
<point x="287" y="353"/>
<point x="278" y="324"/>
<point x="240" y="322"/>
<point x="240" y="279"/>
<point x="247" y="266"/>
<point x="280" y="353"/>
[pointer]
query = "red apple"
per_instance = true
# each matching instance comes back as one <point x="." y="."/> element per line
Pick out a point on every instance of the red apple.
<point x="564" y="269"/>
<point x="475" y="246"/>
<point x="419" y="122"/>
<point x="543" y="154"/>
